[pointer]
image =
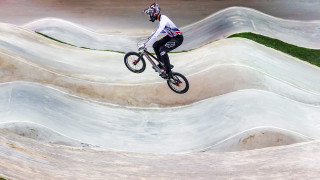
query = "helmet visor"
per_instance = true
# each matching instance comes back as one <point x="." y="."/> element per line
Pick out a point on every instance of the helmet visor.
<point x="148" y="11"/>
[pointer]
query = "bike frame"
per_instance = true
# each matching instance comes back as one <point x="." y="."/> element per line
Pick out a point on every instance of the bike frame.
<point x="147" y="55"/>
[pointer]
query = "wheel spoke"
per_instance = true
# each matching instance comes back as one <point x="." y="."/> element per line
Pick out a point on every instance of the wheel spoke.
<point x="178" y="83"/>
<point x="133" y="64"/>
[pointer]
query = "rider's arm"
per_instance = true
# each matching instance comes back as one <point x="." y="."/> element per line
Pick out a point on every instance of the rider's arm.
<point x="155" y="34"/>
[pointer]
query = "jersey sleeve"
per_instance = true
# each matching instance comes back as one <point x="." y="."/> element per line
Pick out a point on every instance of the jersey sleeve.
<point x="155" y="34"/>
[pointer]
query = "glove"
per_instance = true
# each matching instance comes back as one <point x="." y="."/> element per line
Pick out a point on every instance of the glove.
<point x="141" y="47"/>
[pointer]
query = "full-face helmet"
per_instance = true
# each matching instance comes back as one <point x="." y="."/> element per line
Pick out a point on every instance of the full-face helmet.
<point x="153" y="11"/>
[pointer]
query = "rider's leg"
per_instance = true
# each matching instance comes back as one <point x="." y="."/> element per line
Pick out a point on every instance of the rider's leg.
<point x="156" y="46"/>
<point x="165" y="59"/>
<point x="169" y="46"/>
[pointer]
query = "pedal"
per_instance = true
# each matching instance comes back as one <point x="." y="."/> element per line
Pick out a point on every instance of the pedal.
<point x="171" y="67"/>
<point x="163" y="75"/>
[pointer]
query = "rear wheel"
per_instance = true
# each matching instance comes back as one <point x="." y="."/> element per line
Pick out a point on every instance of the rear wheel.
<point x="178" y="83"/>
<point x="133" y="63"/>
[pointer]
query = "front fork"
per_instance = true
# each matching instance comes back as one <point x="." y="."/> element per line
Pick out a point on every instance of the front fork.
<point x="138" y="60"/>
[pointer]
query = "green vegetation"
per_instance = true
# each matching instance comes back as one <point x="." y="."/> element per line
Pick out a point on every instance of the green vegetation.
<point x="95" y="49"/>
<point x="310" y="55"/>
<point x="55" y="39"/>
<point x="76" y="46"/>
<point x="1" y="178"/>
<point x="181" y="51"/>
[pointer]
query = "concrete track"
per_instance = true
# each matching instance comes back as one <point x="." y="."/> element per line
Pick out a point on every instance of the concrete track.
<point x="217" y="26"/>
<point x="22" y="158"/>
<point x="168" y="130"/>
<point x="72" y="113"/>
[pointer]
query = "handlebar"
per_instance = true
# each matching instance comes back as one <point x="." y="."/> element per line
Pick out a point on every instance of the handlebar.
<point x="142" y="47"/>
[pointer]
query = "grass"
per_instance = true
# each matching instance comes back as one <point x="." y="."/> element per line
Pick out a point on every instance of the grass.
<point x="310" y="55"/>
<point x="1" y="178"/>
<point x="75" y="45"/>
<point x="49" y="37"/>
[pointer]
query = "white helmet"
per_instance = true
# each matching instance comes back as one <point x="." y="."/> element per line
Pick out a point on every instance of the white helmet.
<point x="153" y="11"/>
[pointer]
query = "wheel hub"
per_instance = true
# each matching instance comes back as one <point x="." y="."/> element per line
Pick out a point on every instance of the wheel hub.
<point x="135" y="62"/>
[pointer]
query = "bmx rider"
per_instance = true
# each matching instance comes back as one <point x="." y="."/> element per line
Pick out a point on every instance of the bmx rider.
<point x="171" y="41"/>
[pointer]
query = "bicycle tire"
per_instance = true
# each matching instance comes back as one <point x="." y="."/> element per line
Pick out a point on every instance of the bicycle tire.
<point x="129" y="60"/>
<point x="175" y="81"/>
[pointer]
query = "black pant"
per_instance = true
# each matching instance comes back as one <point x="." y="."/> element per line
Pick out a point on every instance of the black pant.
<point x="163" y="46"/>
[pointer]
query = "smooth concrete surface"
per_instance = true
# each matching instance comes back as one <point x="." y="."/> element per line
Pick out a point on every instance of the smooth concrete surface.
<point x="251" y="112"/>
<point x="23" y="158"/>
<point x="103" y="76"/>
<point x="217" y="26"/>
<point x="196" y="127"/>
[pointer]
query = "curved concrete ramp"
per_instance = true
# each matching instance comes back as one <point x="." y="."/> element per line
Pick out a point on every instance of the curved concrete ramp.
<point x="28" y="158"/>
<point x="217" y="26"/>
<point x="238" y="19"/>
<point x="73" y="113"/>
<point x="40" y="133"/>
<point x="80" y="36"/>
<point x="164" y="130"/>
<point x="257" y="138"/>
<point x="103" y="76"/>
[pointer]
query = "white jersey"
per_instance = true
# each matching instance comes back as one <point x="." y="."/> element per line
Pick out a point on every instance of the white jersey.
<point x="165" y="26"/>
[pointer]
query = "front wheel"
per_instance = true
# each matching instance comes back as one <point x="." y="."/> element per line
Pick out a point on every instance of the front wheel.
<point x="178" y="83"/>
<point x="133" y="63"/>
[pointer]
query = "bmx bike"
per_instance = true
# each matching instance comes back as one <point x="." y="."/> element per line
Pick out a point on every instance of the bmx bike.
<point x="135" y="62"/>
